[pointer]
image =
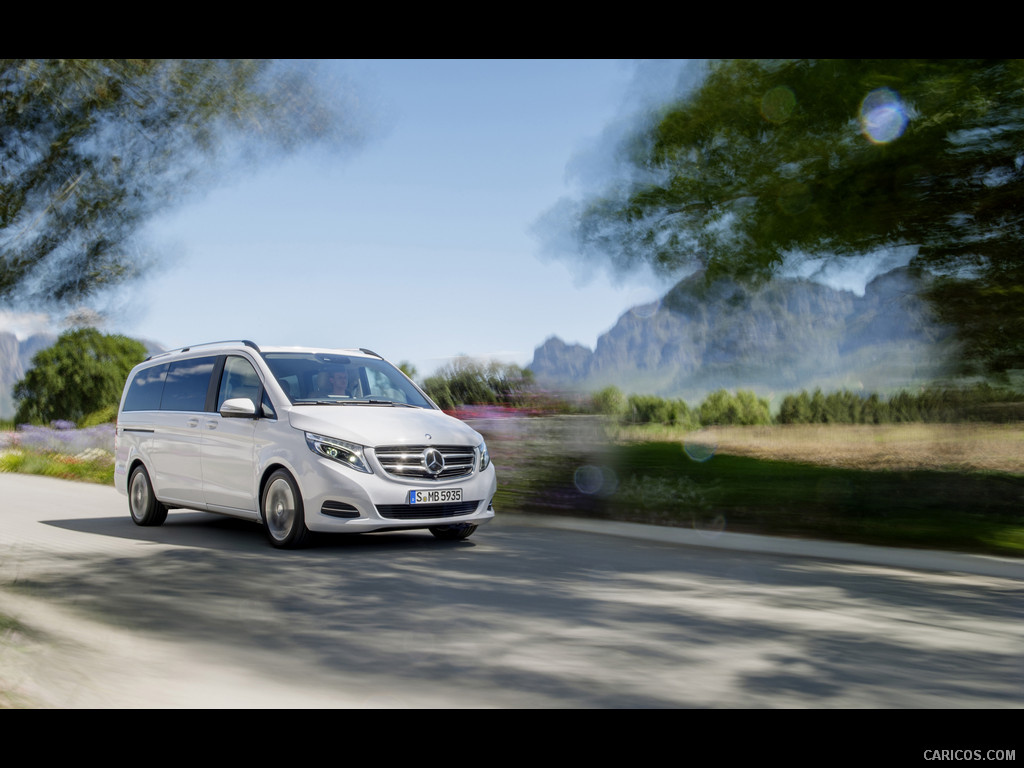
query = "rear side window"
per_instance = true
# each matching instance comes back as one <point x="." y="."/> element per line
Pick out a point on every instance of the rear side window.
<point x="186" y="384"/>
<point x="146" y="389"/>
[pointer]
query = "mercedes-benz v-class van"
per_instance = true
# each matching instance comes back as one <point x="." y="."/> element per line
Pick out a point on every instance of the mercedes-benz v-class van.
<point x="298" y="439"/>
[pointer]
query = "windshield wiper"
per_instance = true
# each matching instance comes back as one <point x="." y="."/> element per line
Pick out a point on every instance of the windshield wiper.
<point x="381" y="401"/>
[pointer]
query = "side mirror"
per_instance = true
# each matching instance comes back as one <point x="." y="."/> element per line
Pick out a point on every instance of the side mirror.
<point x="238" y="408"/>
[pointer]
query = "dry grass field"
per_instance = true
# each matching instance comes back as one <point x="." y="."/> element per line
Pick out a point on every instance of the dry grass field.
<point x="963" y="447"/>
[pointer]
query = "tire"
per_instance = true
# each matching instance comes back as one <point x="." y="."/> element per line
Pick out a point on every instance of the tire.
<point x="283" y="517"/>
<point x="142" y="501"/>
<point x="456" y="532"/>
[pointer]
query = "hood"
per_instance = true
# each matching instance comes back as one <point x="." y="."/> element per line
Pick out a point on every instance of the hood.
<point x="373" y="425"/>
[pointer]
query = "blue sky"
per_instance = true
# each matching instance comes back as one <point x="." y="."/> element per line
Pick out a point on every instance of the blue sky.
<point x="418" y="245"/>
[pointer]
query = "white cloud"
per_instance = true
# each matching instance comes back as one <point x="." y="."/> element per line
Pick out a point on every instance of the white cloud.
<point x="24" y="324"/>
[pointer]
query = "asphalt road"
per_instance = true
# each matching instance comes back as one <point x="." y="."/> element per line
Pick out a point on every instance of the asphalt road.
<point x="203" y="613"/>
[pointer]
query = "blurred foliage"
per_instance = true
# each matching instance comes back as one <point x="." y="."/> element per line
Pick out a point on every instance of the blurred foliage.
<point x="105" y="415"/>
<point x="91" y="149"/>
<point x="648" y="409"/>
<point x="89" y="469"/>
<point x="83" y="372"/>
<point x="466" y="381"/>
<point x="569" y="465"/>
<point x="60" y="450"/>
<point x="539" y="460"/>
<point x="721" y="407"/>
<point x="981" y="402"/>
<point x="609" y="402"/>
<point x="772" y="160"/>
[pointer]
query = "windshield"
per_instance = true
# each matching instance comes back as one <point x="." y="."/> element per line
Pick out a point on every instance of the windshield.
<point x="316" y="377"/>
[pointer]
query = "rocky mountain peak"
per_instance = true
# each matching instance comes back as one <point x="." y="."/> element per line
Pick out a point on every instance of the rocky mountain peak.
<point x="786" y="334"/>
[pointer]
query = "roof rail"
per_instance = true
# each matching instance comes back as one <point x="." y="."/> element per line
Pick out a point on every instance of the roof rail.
<point x="369" y="352"/>
<point x="244" y="342"/>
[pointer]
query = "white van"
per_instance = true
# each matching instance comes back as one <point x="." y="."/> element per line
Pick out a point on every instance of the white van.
<point x="298" y="439"/>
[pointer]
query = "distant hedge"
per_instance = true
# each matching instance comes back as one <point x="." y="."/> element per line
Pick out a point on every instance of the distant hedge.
<point x="981" y="402"/>
<point x="472" y="382"/>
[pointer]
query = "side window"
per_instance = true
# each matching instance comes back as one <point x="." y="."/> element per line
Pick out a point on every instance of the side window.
<point x="239" y="380"/>
<point x="146" y="388"/>
<point x="268" y="407"/>
<point x="186" y="385"/>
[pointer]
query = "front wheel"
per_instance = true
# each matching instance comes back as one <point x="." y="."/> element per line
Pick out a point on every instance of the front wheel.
<point x="456" y="532"/>
<point x="142" y="502"/>
<point x="283" y="515"/>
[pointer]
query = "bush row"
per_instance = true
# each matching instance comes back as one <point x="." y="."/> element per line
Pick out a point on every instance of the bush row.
<point x="468" y="382"/>
<point x="981" y="402"/>
<point x="739" y="408"/>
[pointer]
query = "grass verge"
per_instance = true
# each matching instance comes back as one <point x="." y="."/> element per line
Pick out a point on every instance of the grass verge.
<point x="95" y="468"/>
<point x="968" y="511"/>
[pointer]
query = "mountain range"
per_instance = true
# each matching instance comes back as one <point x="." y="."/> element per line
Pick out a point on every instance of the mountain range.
<point x="787" y="335"/>
<point x="784" y="336"/>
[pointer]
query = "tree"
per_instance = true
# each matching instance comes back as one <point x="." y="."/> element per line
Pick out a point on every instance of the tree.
<point x="609" y="402"/>
<point x="91" y="149"/>
<point x="83" y="372"/>
<point x="466" y="381"/>
<point x="770" y="161"/>
<point x="743" y="408"/>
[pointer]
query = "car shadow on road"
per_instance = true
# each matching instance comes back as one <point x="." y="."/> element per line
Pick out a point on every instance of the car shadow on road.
<point x="525" y="616"/>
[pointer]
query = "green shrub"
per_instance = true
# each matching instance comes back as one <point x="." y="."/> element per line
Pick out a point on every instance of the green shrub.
<point x="609" y="402"/>
<point x="742" y="409"/>
<point x="466" y="381"/>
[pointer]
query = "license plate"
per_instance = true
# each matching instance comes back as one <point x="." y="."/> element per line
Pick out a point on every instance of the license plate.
<point x="435" y="497"/>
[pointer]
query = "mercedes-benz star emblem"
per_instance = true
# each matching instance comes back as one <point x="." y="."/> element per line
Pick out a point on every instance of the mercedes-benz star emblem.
<point x="433" y="460"/>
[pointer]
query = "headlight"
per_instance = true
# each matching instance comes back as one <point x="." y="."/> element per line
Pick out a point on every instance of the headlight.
<point x="349" y="454"/>
<point x="485" y="457"/>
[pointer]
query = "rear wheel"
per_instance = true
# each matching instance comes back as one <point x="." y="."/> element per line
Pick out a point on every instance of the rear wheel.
<point x="283" y="515"/>
<point x="142" y="502"/>
<point x="456" y="532"/>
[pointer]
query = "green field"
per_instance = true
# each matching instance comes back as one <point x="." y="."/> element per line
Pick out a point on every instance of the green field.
<point x="954" y="487"/>
<point x="970" y="511"/>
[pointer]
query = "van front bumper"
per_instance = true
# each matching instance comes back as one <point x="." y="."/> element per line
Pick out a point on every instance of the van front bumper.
<point x="340" y="500"/>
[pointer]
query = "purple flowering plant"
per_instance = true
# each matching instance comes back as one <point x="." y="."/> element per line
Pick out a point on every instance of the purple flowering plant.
<point x="61" y="437"/>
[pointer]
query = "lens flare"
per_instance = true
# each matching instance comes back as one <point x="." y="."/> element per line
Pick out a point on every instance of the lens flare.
<point x="883" y="117"/>
<point x="595" y="481"/>
<point x="777" y="105"/>
<point x="700" y="445"/>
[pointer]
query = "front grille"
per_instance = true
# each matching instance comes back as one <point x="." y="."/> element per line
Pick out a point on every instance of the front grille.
<point x="407" y="461"/>
<point x="426" y="511"/>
